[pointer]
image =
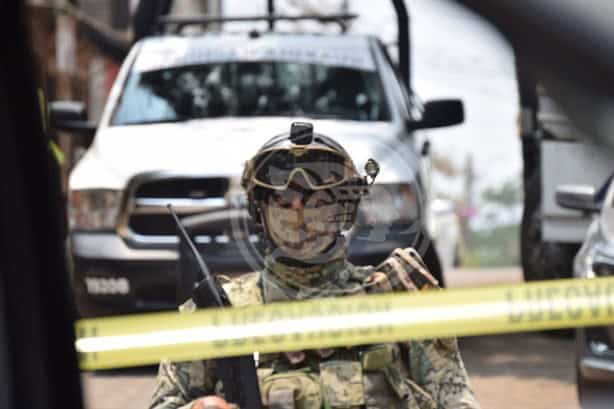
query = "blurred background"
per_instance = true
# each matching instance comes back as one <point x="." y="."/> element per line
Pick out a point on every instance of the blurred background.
<point x="475" y="166"/>
<point x="491" y="182"/>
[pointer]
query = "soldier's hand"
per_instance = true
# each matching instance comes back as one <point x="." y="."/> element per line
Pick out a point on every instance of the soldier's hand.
<point x="212" y="402"/>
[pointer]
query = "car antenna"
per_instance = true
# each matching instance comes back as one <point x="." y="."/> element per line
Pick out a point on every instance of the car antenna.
<point x="202" y="266"/>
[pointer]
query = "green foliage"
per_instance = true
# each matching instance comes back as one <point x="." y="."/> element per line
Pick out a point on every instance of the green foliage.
<point x="497" y="247"/>
<point x="508" y="195"/>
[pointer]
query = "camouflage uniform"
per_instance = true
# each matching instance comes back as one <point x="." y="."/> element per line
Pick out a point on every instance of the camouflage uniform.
<point x="413" y="375"/>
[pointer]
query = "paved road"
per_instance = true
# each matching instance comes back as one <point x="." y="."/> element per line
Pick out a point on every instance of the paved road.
<point x="528" y="371"/>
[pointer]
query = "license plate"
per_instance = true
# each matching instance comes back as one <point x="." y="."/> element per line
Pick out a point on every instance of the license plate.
<point x="97" y="286"/>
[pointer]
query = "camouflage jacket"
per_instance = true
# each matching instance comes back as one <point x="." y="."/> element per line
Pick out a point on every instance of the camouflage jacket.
<point x="414" y="375"/>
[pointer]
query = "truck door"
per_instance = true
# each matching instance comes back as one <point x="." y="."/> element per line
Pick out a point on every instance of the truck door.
<point x="565" y="161"/>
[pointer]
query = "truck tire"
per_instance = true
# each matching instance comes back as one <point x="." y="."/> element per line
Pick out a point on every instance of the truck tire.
<point x="541" y="260"/>
<point x="431" y="259"/>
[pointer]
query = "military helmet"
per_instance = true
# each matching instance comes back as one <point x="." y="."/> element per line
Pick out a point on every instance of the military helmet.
<point x="319" y="166"/>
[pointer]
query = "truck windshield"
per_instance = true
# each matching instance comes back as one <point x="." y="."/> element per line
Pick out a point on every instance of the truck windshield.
<point x="247" y="89"/>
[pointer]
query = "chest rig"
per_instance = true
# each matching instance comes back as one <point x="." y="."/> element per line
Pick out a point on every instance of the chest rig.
<point x="369" y="376"/>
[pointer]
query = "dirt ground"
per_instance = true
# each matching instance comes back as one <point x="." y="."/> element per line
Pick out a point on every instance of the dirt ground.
<point x="522" y="371"/>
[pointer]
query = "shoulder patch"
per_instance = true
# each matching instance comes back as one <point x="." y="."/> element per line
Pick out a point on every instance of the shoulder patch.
<point x="244" y="290"/>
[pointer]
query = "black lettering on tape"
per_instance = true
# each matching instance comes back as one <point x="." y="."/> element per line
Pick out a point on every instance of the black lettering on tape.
<point x="571" y="295"/>
<point x="257" y="317"/>
<point x="551" y="295"/>
<point x="385" y="306"/>
<point x="535" y="298"/>
<point x="334" y="310"/>
<point x="277" y="315"/>
<point x="513" y="317"/>
<point x="315" y="310"/>
<point x="215" y="322"/>
<point x="363" y="307"/>
<point x="239" y="319"/>
<point x="594" y="297"/>
<point x="294" y="314"/>
<point x="88" y="331"/>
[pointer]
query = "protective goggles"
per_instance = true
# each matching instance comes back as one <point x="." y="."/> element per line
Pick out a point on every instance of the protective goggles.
<point x="320" y="167"/>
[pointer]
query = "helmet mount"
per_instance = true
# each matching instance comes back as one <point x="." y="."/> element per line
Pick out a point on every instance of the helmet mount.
<point x="301" y="133"/>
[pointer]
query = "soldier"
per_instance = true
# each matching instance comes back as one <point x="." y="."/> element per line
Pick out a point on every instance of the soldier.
<point x="303" y="190"/>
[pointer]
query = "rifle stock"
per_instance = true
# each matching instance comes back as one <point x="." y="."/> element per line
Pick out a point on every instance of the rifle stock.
<point x="238" y="374"/>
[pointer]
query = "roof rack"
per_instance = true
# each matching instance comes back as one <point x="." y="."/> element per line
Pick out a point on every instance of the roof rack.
<point x="179" y="22"/>
<point x="399" y="7"/>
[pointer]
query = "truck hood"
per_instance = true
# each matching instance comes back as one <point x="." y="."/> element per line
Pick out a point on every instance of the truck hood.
<point x="220" y="147"/>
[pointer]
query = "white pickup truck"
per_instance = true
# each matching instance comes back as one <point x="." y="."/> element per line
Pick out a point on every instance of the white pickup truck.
<point x="185" y="113"/>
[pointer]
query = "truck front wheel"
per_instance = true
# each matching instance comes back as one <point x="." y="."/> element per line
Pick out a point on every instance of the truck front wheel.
<point x="541" y="260"/>
<point x="431" y="259"/>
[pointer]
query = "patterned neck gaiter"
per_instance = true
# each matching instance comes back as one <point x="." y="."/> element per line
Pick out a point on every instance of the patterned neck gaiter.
<point x="283" y="282"/>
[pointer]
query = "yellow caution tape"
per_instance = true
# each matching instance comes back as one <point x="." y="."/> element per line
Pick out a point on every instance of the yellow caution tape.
<point x="57" y="153"/>
<point x="145" y="339"/>
<point x="42" y="104"/>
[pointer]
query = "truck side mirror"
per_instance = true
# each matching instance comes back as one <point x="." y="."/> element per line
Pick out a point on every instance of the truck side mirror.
<point x="440" y="113"/>
<point x="577" y="197"/>
<point x="71" y="117"/>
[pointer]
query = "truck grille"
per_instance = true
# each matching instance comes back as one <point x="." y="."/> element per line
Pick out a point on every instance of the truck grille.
<point x="184" y="188"/>
<point x="152" y="224"/>
<point x="146" y="216"/>
<point x="224" y="233"/>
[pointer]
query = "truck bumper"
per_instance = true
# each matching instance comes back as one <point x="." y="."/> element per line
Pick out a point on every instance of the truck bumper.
<point x="119" y="279"/>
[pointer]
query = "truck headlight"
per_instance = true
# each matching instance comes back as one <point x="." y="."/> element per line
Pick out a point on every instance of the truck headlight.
<point x="388" y="204"/>
<point x="94" y="209"/>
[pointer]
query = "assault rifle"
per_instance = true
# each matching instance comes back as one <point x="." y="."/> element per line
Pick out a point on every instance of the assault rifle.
<point x="238" y="374"/>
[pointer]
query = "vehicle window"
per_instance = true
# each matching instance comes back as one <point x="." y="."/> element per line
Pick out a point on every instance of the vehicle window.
<point x="244" y="89"/>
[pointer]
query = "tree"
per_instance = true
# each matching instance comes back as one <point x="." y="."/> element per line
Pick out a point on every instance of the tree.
<point x="508" y="194"/>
